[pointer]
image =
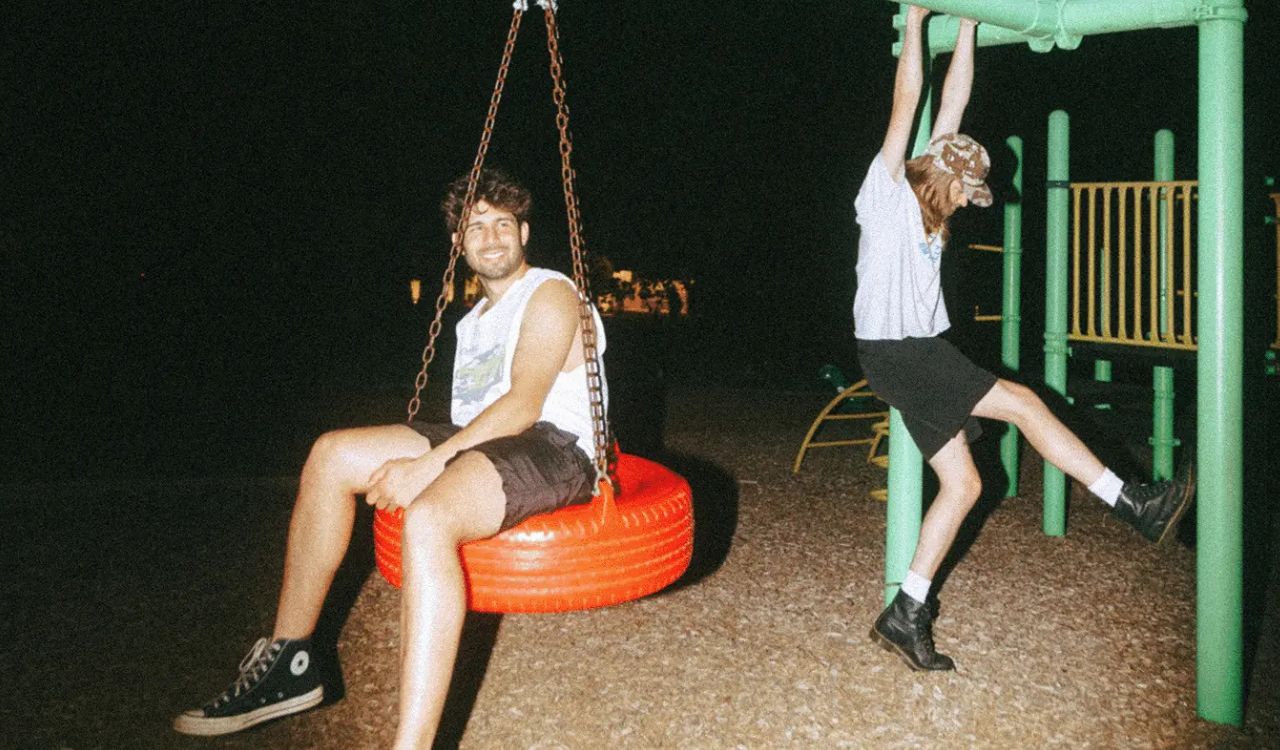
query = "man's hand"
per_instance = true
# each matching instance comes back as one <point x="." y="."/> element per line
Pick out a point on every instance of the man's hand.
<point x="916" y="13"/>
<point x="399" y="481"/>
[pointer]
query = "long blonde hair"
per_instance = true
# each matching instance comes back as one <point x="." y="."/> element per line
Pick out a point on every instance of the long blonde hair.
<point x="932" y="187"/>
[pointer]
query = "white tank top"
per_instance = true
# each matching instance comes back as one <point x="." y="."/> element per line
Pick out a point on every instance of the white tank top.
<point x="486" y="345"/>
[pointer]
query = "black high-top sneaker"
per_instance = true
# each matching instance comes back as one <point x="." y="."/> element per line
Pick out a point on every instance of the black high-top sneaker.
<point x="906" y="628"/>
<point x="1155" y="509"/>
<point x="276" y="679"/>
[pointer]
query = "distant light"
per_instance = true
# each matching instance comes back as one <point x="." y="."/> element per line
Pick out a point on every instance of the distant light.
<point x="415" y="289"/>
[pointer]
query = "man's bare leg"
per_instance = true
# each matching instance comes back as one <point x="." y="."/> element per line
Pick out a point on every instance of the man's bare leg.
<point x="1019" y="405"/>
<point x="959" y="488"/>
<point x="337" y="469"/>
<point x="1154" y="509"/>
<point x="465" y="503"/>
<point x="905" y="626"/>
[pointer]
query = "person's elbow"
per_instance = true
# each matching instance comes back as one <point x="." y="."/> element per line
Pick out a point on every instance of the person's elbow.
<point x="523" y="411"/>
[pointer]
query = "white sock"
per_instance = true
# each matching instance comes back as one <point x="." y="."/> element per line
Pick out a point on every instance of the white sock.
<point x="916" y="586"/>
<point x="1107" y="487"/>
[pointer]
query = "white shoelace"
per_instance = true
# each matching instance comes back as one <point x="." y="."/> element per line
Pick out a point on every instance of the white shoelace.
<point x="252" y="667"/>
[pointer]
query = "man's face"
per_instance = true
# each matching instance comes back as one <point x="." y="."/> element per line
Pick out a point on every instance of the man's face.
<point x="494" y="241"/>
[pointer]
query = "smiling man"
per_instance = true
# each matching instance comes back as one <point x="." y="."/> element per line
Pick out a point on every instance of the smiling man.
<point x="519" y="443"/>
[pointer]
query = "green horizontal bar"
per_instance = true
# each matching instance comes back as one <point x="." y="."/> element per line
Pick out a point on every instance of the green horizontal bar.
<point x="1044" y="24"/>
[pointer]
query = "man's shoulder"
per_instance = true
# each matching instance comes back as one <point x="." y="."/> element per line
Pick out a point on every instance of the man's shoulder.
<point x="540" y="274"/>
<point x="536" y="277"/>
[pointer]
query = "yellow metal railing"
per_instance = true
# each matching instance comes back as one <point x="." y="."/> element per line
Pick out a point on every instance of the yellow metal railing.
<point x="1275" y="198"/>
<point x="1132" y="265"/>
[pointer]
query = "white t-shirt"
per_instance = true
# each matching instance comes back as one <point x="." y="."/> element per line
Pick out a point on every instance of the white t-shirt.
<point x="899" y="270"/>
<point x="486" y="346"/>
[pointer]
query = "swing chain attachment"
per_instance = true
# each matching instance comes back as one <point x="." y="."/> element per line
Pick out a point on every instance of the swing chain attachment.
<point x="429" y="351"/>
<point x="590" y="350"/>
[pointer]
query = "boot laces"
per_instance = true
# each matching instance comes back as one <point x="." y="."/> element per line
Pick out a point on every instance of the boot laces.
<point x="924" y="630"/>
<point x="252" y="667"/>
<point x="1151" y="491"/>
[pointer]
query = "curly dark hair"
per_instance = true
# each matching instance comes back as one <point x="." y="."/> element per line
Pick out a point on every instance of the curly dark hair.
<point x="495" y="187"/>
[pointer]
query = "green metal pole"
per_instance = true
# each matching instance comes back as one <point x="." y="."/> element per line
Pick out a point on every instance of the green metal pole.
<point x="1219" y="364"/>
<point x="1011" y="311"/>
<point x="1055" y="302"/>
<point x="904" y="510"/>
<point x="1163" y="173"/>
<point x="1163" y="440"/>
<point x="1102" y="374"/>
<point x="905" y="507"/>
<point x="1046" y="23"/>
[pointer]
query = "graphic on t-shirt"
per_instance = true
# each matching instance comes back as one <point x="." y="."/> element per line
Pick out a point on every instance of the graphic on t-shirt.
<point x="932" y="249"/>
<point x="481" y="372"/>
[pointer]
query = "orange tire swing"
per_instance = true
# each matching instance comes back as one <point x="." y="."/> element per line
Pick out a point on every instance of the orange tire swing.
<point x="611" y="550"/>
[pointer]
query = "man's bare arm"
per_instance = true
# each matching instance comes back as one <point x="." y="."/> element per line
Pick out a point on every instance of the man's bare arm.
<point x="958" y="84"/>
<point x="544" y="345"/>
<point x="908" y="81"/>
<point x="547" y="335"/>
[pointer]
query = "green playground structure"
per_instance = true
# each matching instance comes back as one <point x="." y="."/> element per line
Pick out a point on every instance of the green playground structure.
<point x="1219" y="315"/>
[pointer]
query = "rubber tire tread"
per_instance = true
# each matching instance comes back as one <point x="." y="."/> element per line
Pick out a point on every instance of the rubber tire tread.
<point x="568" y="560"/>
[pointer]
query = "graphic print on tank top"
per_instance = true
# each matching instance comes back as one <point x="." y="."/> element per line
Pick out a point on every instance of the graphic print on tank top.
<point x="481" y="372"/>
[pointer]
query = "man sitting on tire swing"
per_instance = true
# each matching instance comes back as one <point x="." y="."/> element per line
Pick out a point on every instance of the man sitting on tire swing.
<point x="521" y="443"/>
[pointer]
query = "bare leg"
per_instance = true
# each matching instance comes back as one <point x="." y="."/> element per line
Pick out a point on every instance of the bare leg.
<point x="337" y="469"/>
<point x="1013" y="402"/>
<point x="960" y="486"/>
<point x="466" y="502"/>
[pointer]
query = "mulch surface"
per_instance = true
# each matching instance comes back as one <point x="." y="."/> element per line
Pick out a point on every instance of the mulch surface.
<point x="128" y="601"/>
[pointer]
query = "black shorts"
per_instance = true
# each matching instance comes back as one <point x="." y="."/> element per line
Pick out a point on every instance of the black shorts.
<point x="931" y="383"/>
<point x="542" y="468"/>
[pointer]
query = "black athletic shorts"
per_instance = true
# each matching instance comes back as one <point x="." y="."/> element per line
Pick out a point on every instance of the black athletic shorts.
<point x="931" y="383"/>
<point x="542" y="468"/>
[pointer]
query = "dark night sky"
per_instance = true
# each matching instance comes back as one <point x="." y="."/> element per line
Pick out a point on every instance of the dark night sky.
<point x="197" y="197"/>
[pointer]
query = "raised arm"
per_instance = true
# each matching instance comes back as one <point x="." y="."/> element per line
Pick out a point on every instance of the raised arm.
<point x="907" y="84"/>
<point x="958" y="84"/>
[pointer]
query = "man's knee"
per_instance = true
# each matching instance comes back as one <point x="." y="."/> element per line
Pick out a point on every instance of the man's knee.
<point x="332" y="449"/>
<point x="1018" y="400"/>
<point x="426" y="523"/>
<point x="464" y="503"/>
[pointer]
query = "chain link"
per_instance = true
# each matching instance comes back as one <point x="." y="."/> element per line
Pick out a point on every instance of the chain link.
<point x="433" y="333"/>
<point x="590" y="353"/>
<point x="590" y="349"/>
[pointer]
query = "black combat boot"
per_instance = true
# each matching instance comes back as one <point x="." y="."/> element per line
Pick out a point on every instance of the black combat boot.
<point x="906" y="627"/>
<point x="1155" y="509"/>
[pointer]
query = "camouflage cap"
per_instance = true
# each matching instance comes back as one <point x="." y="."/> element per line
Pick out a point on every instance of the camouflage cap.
<point x="960" y="155"/>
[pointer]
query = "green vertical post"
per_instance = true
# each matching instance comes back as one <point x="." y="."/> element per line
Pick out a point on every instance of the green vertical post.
<point x="904" y="509"/>
<point x="1163" y="440"/>
<point x="1219" y="363"/>
<point x="1102" y="374"/>
<point x="1011" y="310"/>
<point x="1055" y="301"/>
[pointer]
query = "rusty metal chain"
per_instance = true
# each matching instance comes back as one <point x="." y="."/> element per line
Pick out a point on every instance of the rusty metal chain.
<point x="429" y="351"/>
<point x="590" y="352"/>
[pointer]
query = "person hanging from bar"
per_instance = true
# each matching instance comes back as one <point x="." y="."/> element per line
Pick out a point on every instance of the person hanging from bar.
<point x="520" y="443"/>
<point x="903" y="207"/>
